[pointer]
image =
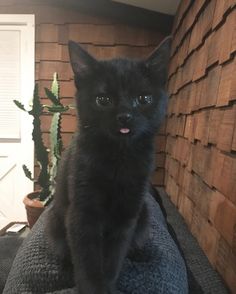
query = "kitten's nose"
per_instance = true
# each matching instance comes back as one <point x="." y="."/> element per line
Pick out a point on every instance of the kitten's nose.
<point x="124" y="117"/>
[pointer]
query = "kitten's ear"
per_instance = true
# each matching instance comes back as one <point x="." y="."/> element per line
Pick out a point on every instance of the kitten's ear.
<point x="159" y="59"/>
<point x="81" y="61"/>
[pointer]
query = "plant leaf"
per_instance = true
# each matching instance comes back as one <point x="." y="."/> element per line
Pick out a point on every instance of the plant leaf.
<point x="37" y="107"/>
<point x="55" y="88"/>
<point x="52" y="97"/>
<point x="57" y="108"/>
<point x="27" y="172"/>
<point x="19" y="105"/>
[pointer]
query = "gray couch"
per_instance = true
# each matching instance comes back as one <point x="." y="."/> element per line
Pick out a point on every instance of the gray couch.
<point x="159" y="268"/>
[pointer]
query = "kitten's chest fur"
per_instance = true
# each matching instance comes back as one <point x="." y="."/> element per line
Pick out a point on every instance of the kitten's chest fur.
<point x="113" y="176"/>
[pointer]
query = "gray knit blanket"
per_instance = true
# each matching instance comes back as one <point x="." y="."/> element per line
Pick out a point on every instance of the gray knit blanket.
<point x="158" y="269"/>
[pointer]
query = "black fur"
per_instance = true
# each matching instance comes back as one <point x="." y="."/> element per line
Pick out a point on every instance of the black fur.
<point x="99" y="210"/>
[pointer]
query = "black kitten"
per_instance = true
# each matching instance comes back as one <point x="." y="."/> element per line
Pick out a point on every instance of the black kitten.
<point x="99" y="211"/>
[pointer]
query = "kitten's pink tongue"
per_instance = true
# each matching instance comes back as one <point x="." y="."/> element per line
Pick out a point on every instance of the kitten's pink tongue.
<point x="124" y="130"/>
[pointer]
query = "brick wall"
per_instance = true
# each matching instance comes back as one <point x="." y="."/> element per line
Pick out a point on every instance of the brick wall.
<point x="201" y="128"/>
<point x="103" y="37"/>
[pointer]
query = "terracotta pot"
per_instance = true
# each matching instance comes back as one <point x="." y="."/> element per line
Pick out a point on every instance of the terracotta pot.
<point x="34" y="207"/>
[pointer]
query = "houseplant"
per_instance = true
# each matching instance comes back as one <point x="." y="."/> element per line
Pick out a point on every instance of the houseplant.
<point x="47" y="158"/>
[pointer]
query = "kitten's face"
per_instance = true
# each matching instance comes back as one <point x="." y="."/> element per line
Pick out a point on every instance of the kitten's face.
<point x="120" y="98"/>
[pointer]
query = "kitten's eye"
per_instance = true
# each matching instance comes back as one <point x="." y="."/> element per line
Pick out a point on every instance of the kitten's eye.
<point x="144" y="99"/>
<point x="103" y="101"/>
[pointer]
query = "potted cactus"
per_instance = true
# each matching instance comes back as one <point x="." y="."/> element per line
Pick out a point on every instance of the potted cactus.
<point x="47" y="159"/>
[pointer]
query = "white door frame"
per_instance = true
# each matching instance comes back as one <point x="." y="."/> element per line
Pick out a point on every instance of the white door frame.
<point x="25" y="23"/>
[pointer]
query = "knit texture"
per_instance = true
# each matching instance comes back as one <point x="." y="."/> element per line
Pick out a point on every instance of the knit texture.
<point x="158" y="269"/>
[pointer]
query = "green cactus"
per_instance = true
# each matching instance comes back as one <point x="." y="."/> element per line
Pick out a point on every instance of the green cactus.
<point x="55" y="131"/>
<point x="48" y="159"/>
